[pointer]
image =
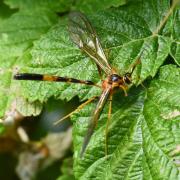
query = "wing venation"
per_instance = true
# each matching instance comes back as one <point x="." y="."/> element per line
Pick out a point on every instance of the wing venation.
<point x="85" y="37"/>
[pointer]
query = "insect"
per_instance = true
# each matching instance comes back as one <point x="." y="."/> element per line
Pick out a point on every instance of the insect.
<point x="84" y="36"/>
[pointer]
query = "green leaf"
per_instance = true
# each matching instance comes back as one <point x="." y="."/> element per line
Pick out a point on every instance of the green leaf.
<point x="136" y="145"/>
<point x="54" y="5"/>
<point x="151" y="11"/>
<point x="28" y="108"/>
<point x="155" y="50"/>
<point x="19" y="31"/>
<point x="175" y="49"/>
<point x="5" y="11"/>
<point x="95" y="5"/>
<point x="17" y="34"/>
<point x="5" y="86"/>
<point x="162" y="119"/>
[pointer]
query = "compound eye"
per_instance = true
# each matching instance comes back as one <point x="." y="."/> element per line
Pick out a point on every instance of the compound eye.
<point x="115" y="78"/>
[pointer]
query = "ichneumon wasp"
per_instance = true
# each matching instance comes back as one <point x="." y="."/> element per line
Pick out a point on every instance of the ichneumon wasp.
<point x="84" y="36"/>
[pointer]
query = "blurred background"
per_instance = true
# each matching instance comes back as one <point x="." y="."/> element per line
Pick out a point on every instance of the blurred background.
<point x="35" y="148"/>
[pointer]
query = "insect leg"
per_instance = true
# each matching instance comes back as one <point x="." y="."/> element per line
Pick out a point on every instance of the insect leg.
<point x="124" y="88"/>
<point x="96" y="114"/>
<point x="108" y="123"/>
<point x="76" y="110"/>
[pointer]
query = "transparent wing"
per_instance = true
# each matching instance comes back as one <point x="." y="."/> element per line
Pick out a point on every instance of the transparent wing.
<point x="92" y="124"/>
<point x="85" y="37"/>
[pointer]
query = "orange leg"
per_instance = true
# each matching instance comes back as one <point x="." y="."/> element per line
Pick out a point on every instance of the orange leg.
<point x="108" y="123"/>
<point x="76" y="110"/>
<point x="124" y="88"/>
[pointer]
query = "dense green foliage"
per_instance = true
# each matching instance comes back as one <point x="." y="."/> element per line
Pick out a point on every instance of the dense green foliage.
<point x="144" y="130"/>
